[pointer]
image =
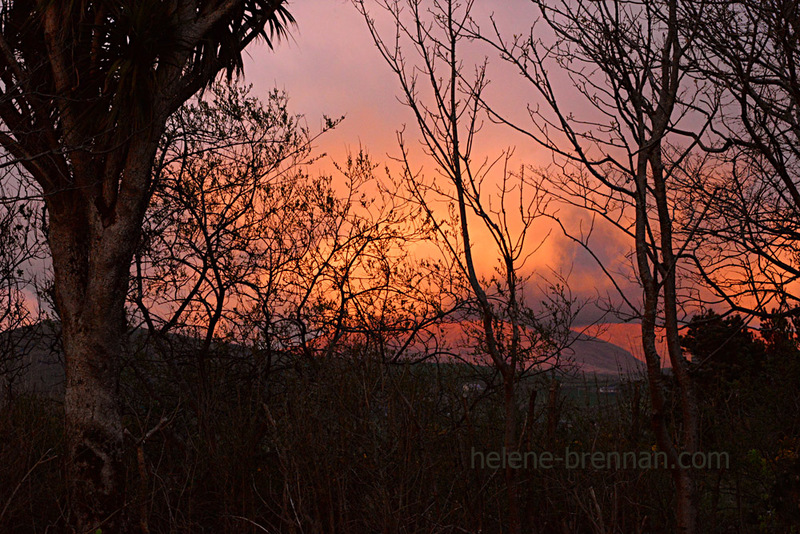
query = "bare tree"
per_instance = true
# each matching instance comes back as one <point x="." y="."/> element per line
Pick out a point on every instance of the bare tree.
<point x="20" y="250"/>
<point x="230" y="195"/>
<point x="747" y="249"/>
<point x="242" y="244"/>
<point x="87" y="89"/>
<point x="621" y="161"/>
<point x="486" y="197"/>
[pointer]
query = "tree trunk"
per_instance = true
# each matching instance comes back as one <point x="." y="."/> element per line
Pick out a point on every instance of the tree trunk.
<point x="686" y="496"/>
<point x="91" y="277"/>
<point x="685" y="486"/>
<point x="510" y="445"/>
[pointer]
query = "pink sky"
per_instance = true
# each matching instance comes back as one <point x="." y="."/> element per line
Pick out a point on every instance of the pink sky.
<point x="331" y="66"/>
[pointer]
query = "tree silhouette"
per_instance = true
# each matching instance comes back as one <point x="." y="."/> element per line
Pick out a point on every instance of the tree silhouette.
<point x="424" y="51"/>
<point x="747" y="248"/>
<point x="87" y="89"/>
<point x="619" y="161"/>
<point x="723" y="349"/>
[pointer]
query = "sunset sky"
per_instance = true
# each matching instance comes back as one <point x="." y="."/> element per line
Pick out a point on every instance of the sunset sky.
<point x="330" y="66"/>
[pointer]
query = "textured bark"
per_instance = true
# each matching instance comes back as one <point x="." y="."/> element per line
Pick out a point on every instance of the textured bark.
<point x="92" y="329"/>
<point x="90" y="264"/>
<point x="92" y="249"/>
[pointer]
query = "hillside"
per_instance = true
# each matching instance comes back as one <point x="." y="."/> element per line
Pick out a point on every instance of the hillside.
<point x="37" y="363"/>
<point x="595" y="355"/>
<point x="628" y="336"/>
<point x="588" y="352"/>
